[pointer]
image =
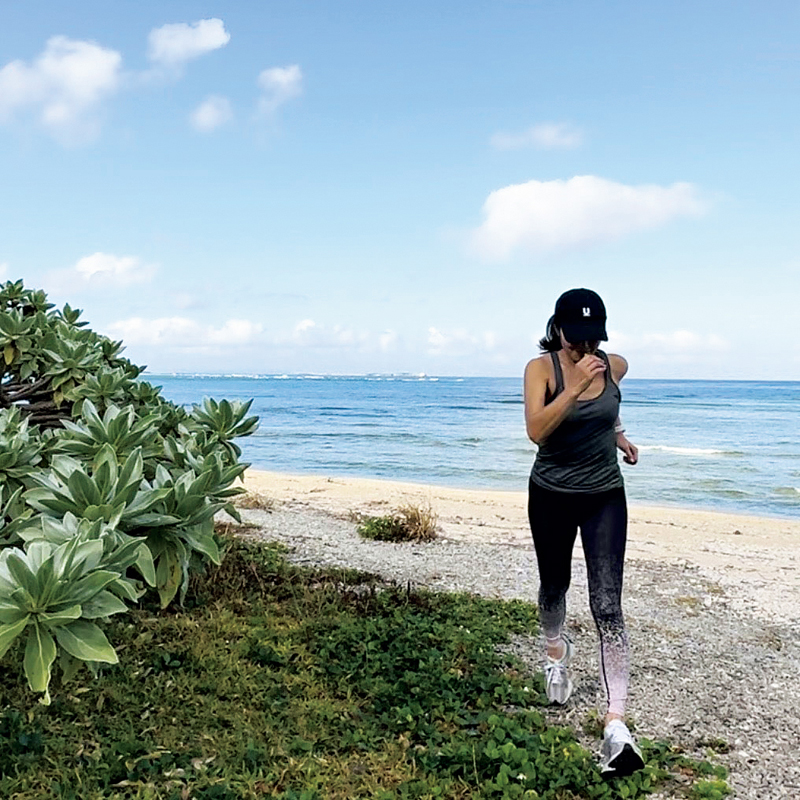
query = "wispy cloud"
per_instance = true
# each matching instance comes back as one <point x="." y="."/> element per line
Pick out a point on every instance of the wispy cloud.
<point x="213" y="112"/>
<point x="540" y="216"/>
<point x="459" y="342"/>
<point x="279" y="84"/>
<point x="64" y="87"/>
<point x="309" y="334"/>
<point x="682" y="351"/>
<point x="173" y="45"/>
<point x="544" y="136"/>
<point x="108" y="269"/>
<point x="182" y="332"/>
<point x="100" y="272"/>
<point x="670" y="343"/>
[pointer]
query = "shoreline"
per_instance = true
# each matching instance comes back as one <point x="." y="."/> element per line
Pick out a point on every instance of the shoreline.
<point x="754" y="557"/>
<point x="632" y="504"/>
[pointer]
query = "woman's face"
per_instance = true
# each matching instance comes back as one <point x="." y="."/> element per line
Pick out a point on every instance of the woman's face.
<point x="577" y="350"/>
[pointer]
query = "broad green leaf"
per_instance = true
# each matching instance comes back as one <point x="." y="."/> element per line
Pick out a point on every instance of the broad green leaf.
<point x="86" y="588"/>
<point x="40" y="653"/>
<point x="104" y="477"/>
<point x="20" y="571"/>
<point x="102" y="512"/>
<point x="156" y="520"/>
<point x="131" y="474"/>
<point x="84" y="490"/>
<point x="11" y="612"/>
<point x="64" y="556"/>
<point x="125" y="587"/>
<point x="105" y="463"/>
<point x="144" y="563"/>
<point x="90" y="413"/>
<point x="88" y="555"/>
<point x="144" y="501"/>
<point x="10" y="632"/>
<point x="46" y="529"/>
<point x="202" y="542"/>
<point x="64" y="466"/>
<point x="103" y="604"/>
<point x="84" y="640"/>
<point x="66" y="615"/>
<point x="168" y="575"/>
<point x="50" y="501"/>
<point x="231" y="510"/>
<point x="7" y="582"/>
<point x="120" y="551"/>
<point x="38" y="552"/>
<point x="69" y="665"/>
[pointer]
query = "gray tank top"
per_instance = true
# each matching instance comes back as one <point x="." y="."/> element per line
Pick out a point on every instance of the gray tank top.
<point x="580" y="455"/>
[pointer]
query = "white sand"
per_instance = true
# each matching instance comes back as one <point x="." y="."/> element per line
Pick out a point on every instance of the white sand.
<point x="754" y="558"/>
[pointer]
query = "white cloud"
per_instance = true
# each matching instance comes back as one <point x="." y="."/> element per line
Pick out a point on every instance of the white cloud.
<point x="99" y="272"/>
<point x="308" y="334"/>
<point x="182" y="332"/>
<point x="538" y="216"/>
<point x="234" y="331"/>
<point x="459" y="342"/>
<point x="278" y="85"/>
<point x="545" y="136"/>
<point x="173" y="45"/>
<point x="683" y="341"/>
<point x="388" y="340"/>
<point x="211" y="113"/>
<point x="110" y="270"/>
<point x="3" y="270"/>
<point x="65" y="86"/>
<point x="681" y="344"/>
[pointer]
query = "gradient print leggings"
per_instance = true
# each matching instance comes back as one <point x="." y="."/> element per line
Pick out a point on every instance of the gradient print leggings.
<point x="602" y="518"/>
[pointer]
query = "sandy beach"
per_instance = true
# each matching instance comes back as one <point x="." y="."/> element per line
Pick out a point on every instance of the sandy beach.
<point x="756" y="558"/>
<point x="711" y="600"/>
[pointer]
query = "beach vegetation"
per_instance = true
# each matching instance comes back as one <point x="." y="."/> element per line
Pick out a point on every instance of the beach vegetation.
<point x="409" y="523"/>
<point x="710" y="790"/>
<point x="255" y="501"/>
<point x="280" y="681"/>
<point x="107" y="489"/>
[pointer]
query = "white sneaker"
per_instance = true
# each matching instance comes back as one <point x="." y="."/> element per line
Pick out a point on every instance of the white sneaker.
<point x="557" y="683"/>
<point x="619" y="755"/>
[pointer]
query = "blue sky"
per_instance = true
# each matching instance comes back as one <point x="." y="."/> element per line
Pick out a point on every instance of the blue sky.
<point x="360" y="187"/>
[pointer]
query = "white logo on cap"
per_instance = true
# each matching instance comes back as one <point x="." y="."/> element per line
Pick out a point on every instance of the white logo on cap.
<point x="587" y="312"/>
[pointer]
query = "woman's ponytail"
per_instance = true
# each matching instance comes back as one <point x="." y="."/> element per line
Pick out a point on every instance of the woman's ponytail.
<point x="551" y="342"/>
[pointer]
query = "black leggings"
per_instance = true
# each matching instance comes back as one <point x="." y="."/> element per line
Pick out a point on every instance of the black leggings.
<point x="555" y="518"/>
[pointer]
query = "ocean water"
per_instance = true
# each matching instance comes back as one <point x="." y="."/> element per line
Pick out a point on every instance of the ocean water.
<point x="719" y="445"/>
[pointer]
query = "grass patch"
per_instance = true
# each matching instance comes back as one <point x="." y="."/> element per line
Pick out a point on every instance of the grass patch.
<point x="308" y="684"/>
<point x="410" y="523"/>
<point x="254" y="501"/>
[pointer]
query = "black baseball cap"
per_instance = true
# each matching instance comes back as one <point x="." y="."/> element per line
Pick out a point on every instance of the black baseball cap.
<point x="581" y="316"/>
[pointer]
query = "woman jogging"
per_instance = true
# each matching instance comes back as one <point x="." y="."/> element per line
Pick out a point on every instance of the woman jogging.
<point x="572" y="402"/>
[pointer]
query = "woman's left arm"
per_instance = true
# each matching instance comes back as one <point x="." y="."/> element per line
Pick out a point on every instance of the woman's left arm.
<point x="619" y="367"/>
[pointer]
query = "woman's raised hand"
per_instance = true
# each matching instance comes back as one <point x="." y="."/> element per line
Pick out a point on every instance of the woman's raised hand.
<point x="588" y="368"/>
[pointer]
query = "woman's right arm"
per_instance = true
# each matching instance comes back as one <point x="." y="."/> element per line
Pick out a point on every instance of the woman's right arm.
<point x="540" y="419"/>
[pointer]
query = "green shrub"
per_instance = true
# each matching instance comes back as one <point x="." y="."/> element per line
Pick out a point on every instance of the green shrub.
<point x="106" y="488"/>
<point x="410" y="523"/>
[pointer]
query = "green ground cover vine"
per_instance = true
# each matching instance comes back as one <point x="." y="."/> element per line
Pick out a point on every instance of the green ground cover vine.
<point x="277" y="681"/>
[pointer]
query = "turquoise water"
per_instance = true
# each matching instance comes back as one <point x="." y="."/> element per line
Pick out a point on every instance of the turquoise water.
<point x="722" y="445"/>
